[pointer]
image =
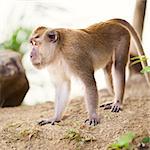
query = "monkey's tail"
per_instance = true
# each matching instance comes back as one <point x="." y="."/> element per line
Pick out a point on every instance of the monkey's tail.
<point x="137" y="42"/>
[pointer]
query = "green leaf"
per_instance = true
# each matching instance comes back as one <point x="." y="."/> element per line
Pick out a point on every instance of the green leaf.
<point x="145" y="69"/>
<point x="123" y="142"/>
<point x="146" y="140"/>
<point x="126" y="139"/>
<point x="115" y="146"/>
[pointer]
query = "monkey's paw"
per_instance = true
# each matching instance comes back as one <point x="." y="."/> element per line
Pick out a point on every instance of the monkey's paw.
<point x="115" y="107"/>
<point x="48" y="121"/>
<point x="92" y="121"/>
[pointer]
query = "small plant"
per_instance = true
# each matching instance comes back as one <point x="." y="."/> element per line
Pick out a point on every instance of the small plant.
<point x="75" y="135"/>
<point x="18" y="37"/>
<point x="124" y="142"/>
<point x="139" y="59"/>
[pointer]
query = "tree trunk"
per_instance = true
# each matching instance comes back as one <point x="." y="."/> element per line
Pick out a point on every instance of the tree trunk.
<point x="138" y="23"/>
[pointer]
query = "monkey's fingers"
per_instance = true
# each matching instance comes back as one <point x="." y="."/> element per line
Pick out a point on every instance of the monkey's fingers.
<point x="93" y="121"/>
<point x="44" y="122"/>
<point x="48" y="121"/>
<point x="116" y="107"/>
<point x="107" y="105"/>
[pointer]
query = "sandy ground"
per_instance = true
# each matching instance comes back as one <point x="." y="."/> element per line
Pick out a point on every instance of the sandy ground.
<point x="19" y="129"/>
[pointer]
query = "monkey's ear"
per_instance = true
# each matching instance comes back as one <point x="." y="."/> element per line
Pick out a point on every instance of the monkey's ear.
<point x="52" y="36"/>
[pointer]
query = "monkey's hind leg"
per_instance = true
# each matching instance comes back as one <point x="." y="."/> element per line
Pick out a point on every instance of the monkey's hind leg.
<point x="118" y="73"/>
<point x="61" y="98"/>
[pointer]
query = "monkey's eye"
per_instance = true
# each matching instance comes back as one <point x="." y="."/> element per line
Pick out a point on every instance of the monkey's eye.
<point x="36" y="36"/>
<point x="34" y="43"/>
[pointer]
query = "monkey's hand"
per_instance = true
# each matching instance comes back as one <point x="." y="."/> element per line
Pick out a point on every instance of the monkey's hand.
<point x="94" y="120"/>
<point x="48" y="121"/>
<point x="115" y="107"/>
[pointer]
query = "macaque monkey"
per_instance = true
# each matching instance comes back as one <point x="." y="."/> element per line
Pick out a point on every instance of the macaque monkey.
<point x="79" y="52"/>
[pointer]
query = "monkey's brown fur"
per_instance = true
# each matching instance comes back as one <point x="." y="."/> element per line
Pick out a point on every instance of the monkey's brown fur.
<point x="79" y="52"/>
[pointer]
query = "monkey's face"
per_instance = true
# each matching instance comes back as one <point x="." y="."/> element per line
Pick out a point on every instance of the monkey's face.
<point x="44" y="48"/>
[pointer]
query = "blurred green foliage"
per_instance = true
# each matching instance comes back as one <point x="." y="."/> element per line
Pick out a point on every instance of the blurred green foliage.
<point x="18" y="37"/>
<point x="127" y="142"/>
<point x="124" y="142"/>
<point x="146" y="140"/>
<point x="145" y="69"/>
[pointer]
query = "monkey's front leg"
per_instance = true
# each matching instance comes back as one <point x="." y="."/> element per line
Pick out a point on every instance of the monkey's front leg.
<point x="91" y="97"/>
<point x="62" y="90"/>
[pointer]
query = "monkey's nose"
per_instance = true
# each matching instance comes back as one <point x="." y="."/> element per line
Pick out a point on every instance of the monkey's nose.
<point x="33" y="54"/>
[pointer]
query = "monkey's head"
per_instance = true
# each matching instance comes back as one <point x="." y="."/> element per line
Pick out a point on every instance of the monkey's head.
<point x="44" y="43"/>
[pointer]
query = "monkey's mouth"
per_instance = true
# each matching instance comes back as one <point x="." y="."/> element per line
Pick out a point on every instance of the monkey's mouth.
<point x="36" y="64"/>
